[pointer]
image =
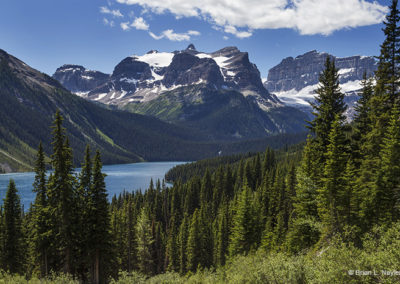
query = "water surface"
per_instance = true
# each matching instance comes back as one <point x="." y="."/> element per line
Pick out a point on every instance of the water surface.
<point x="119" y="178"/>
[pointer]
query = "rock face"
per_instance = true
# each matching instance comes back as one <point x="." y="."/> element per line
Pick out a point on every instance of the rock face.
<point x="295" y="79"/>
<point x="138" y="79"/>
<point x="78" y="79"/>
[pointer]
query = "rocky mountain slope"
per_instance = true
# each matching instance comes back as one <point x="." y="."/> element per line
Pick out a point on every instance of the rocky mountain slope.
<point x="209" y="91"/>
<point x="78" y="79"/>
<point x="294" y="80"/>
<point x="30" y="98"/>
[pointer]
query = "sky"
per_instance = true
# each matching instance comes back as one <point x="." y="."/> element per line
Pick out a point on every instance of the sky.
<point x="98" y="34"/>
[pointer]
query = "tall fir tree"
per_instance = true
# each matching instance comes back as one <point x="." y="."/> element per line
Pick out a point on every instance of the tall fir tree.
<point x="40" y="214"/>
<point x="61" y="193"/>
<point x="98" y="223"/>
<point x="194" y="242"/>
<point x="387" y="180"/>
<point x="12" y="252"/>
<point x="144" y="241"/>
<point x="333" y="198"/>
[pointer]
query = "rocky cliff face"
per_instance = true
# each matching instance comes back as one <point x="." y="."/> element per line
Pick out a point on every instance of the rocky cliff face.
<point x="78" y="79"/>
<point x="294" y="80"/>
<point x="138" y="79"/>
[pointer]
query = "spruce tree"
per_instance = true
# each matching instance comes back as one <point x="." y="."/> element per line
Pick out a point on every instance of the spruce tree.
<point x="144" y="241"/>
<point x="242" y="235"/>
<point x="183" y="238"/>
<point x="194" y="242"/>
<point x="12" y="251"/>
<point x="388" y="75"/>
<point x="362" y="120"/>
<point x="40" y="214"/>
<point x="333" y="199"/>
<point x="387" y="180"/>
<point x="98" y="223"/>
<point x="61" y="193"/>
<point x="81" y="238"/>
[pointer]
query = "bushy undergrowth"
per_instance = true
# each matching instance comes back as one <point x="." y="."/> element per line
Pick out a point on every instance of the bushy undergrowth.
<point x="335" y="263"/>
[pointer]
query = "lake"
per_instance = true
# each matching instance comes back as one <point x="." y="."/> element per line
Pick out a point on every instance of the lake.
<point x="119" y="178"/>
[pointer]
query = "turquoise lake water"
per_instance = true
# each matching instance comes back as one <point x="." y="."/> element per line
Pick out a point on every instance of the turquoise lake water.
<point x="122" y="177"/>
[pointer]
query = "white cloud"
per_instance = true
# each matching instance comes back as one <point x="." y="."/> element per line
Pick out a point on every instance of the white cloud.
<point x="115" y="13"/>
<point x="225" y="37"/>
<point x="193" y="33"/>
<point x="125" y="26"/>
<point x="239" y="34"/>
<point x="108" y="22"/>
<point x="173" y="36"/>
<point x="140" y="24"/>
<point x="307" y="16"/>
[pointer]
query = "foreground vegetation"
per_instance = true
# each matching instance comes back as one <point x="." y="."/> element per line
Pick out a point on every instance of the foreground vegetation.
<point x="337" y="263"/>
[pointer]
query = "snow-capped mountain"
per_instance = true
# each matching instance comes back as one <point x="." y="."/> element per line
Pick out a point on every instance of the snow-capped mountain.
<point x="294" y="80"/>
<point x="140" y="79"/>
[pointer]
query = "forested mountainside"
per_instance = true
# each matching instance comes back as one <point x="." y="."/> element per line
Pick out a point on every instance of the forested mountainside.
<point x="30" y="99"/>
<point x="219" y="92"/>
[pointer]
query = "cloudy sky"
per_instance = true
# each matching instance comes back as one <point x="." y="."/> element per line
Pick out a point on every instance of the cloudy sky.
<point x="99" y="33"/>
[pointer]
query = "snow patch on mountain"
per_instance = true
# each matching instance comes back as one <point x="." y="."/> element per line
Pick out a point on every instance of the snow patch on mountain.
<point x="156" y="59"/>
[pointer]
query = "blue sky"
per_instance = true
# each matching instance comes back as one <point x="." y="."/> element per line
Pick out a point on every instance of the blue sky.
<point x="99" y="33"/>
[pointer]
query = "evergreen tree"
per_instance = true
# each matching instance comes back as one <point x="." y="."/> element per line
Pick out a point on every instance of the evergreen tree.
<point x="61" y="193"/>
<point x="194" y="242"/>
<point x="242" y="235"/>
<point x="333" y="199"/>
<point x="362" y="121"/>
<point x="144" y="241"/>
<point x="183" y="238"/>
<point x="12" y="251"/>
<point x="98" y="223"/>
<point x="329" y="104"/>
<point x="82" y="233"/>
<point x="40" y="214"/>
<point x="388" y="75"/>
<point x="387" y="181"/>
<point x="222" y="236"/>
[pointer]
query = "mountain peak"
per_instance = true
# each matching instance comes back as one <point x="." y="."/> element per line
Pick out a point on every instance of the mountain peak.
<point x="191" y="47"/>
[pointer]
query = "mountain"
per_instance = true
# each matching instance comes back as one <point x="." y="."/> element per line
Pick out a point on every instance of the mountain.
<point x="78" y="79"/>
<point x="30" y="98"/>
<point x="294" y="80"/>
<point x="220" y="92"/>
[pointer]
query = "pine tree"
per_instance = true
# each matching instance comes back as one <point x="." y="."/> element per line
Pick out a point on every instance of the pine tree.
<point x="332" y="197"/>
<point x="81" y="204"/>
<point x="242" y="236"/>
<point x="222" y="236"/>
<point x="40" y="214"/>
<point x="12" y="251"/>
<point x="194" y="242"/>
<point x="61" y="193"/>
<point x="381" y="103"/>
<point x="329" y="104"/>
<point x="98" y="223"/>
<point x="387" y="181"/>
<point x="183" y="238"/>
<point x="388" y="75"/>
<point x="362" y="120"/>
<point x="144" y="241"/>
